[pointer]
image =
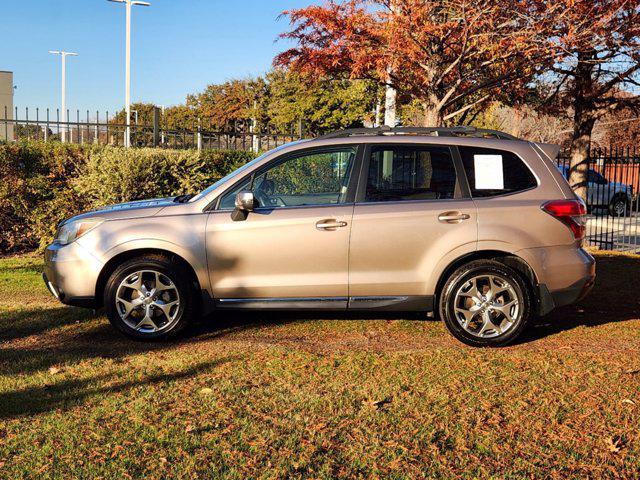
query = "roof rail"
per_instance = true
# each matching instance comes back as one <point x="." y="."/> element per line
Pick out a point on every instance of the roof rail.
<point x="437" y="131"/>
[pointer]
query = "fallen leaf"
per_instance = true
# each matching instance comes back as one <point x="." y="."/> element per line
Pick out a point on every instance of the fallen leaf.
<point x="189" y="428"/>
<point x="615" y="443"/>
<point x="630" y="402"/>
<point x="377" y="404"/>
<point x="116" y="450"/>
<point x="163" y="460"/>
<point x="205" y="391"/>
<point x="633" y="372"/>
<point x="54" y="370"/>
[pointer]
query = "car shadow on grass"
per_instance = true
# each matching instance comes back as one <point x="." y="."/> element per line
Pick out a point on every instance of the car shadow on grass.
<point x="613" y="299"/>
<point x="38" y="342"/>
<point x="32" y="340"/>
<point x="65" y="394"/>
<point x="23" y="323"/>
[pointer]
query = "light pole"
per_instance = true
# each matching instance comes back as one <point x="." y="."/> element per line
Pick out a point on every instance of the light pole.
<point x="63" y="55"/>
<point x="127" y="75"/>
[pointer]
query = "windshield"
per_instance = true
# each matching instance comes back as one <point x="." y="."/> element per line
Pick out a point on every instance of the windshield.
<point x="211" y="188"/>
<point x="223" y="180"/>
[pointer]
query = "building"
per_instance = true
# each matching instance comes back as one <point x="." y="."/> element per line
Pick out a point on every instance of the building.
<point x="6" y="105"/>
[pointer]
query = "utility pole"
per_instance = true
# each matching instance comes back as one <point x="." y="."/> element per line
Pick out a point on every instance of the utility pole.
<point x="390" y="106"/>
<point x="63" y="106"/>
<point x="127" y="75"/>
<point x="390" y="92"/>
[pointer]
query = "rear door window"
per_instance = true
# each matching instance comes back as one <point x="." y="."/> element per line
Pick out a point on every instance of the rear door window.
<point x="494" y="172"/>
<point x="399" y="173"/>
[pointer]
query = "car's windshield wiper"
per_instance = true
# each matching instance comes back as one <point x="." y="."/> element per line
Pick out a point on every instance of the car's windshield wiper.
<point x="184" y="198"/>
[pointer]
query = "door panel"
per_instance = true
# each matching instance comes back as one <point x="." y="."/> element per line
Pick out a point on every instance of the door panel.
<point x="280" y="252"/>
<point x="396" y="247"/>
<point x="412" y="213"/>
<point x="295" y="245"/>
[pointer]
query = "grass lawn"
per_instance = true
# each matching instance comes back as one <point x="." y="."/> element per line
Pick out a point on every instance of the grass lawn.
<point x="249" y="395"/>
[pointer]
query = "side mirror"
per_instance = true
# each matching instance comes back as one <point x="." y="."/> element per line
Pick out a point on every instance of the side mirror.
<point x="245" y="201"/>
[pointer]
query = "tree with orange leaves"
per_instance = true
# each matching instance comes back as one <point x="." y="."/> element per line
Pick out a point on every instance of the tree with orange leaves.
<point x="595" y="46"/>
<point x="451" y="55"/>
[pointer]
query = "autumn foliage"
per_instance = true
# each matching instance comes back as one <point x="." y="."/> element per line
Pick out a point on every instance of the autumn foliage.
<point x="451" y="55"/>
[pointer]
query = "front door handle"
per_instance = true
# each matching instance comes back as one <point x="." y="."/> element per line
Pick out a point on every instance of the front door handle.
<point x="330" y="224"/>
<point x="453" y="217"/>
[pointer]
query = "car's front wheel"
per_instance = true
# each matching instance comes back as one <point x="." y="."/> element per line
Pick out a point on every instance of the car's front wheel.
<point x="485" y="303"/>
<point x="149" y="298"/>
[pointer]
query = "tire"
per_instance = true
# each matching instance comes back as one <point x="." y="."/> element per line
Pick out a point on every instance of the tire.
<point x="465" y="314"/>
<point x="152" y="293"/>
<point x="619" y="206"/>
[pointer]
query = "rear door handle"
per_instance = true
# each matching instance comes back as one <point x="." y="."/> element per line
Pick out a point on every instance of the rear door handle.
<point x="330" y="224"/>
<point x="453" y="217"/>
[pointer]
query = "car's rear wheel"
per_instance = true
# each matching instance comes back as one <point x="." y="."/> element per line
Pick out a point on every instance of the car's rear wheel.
<point x="485" y="303"/>
<point x="149" y="298"/>
<point x="619" y="206"/>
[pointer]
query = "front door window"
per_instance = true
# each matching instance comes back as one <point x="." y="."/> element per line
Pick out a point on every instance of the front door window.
<point x="317" y="178"/>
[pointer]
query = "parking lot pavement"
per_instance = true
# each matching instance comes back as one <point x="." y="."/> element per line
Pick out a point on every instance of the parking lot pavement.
<point x="614" y="233"/>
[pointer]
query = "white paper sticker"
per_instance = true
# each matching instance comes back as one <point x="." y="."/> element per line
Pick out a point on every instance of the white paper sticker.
<point x="489" y="172"/>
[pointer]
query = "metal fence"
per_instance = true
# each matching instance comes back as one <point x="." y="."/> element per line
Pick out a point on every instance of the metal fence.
<point x="93" y="128"/>
<point x="613" y="203"/>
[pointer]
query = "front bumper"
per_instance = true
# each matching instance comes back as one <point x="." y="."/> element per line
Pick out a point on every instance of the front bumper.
<point x="71" y="274"/>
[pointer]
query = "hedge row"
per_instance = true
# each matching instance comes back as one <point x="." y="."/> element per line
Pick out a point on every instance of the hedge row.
<point x="43" y="183"/>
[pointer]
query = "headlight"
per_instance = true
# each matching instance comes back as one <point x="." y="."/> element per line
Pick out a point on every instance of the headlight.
<point x="71" y="231"/>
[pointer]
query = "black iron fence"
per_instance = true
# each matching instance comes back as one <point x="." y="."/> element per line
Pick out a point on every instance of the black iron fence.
<point x="94" y="128"/>
<point x="613" y="203"/>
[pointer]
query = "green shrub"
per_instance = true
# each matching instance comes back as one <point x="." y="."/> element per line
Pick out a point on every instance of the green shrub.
<point x="113" y="174"/>
<point x="35" y="193"/>
<point x="44" y="183"/>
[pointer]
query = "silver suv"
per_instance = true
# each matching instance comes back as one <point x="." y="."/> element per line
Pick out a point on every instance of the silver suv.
<point x="473" y="224"/>
<point x="614" y="197"/>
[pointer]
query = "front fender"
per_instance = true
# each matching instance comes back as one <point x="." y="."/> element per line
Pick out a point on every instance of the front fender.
<point x="181" y="235"/>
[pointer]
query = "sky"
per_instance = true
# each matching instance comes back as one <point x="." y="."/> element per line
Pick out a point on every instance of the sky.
<point x="178" y="47"/>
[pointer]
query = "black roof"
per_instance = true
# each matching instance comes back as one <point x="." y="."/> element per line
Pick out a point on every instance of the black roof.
<point x="462" y="131"/>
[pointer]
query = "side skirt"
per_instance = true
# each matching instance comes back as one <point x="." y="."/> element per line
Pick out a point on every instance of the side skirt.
<point x="409" y="303"/>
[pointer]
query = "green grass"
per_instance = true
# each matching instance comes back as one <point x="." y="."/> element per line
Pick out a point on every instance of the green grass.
<point x="245" y="396"/>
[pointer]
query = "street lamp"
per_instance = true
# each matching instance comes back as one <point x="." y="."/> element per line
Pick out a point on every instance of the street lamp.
<point x="127" y="76"/>
<point x="63" y="55"/>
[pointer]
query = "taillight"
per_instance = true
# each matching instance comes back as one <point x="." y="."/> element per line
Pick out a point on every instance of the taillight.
<point x="571" y="213"/>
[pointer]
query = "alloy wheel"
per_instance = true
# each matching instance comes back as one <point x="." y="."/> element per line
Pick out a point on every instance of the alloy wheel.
<point x="619" y="208"/>
<point x="148" y="301"/>
<point x="487" y="306"/>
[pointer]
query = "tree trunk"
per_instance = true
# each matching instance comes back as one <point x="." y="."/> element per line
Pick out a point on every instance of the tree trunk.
<point x="579" y="154"/>
<point x="432" y="116"/>
<point x="583" y="121"/>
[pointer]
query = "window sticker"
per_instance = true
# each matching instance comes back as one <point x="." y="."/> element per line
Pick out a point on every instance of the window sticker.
<point x="489" y="172"/>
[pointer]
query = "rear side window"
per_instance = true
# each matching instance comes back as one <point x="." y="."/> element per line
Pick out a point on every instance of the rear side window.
<point x="495" y="172"/>
<point x="398" y="173"/>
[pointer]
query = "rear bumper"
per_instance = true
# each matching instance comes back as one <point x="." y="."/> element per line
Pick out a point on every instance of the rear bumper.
<point x="550" y="300"/>
<point x="71" y="274"/>
<point x="584" y="272"/>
